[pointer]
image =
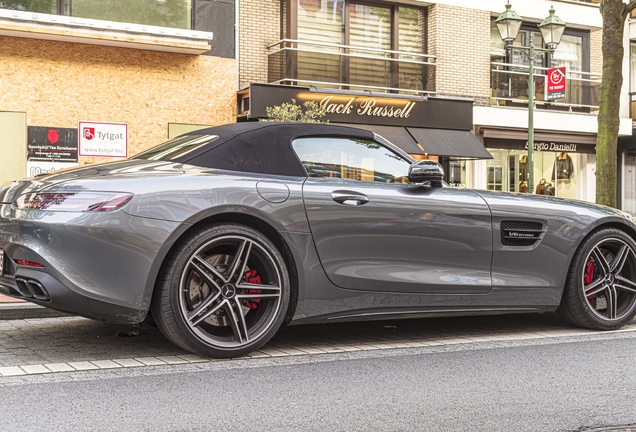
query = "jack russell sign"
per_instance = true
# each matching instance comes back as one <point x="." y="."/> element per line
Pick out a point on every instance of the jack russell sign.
<point x="387" y="109"/>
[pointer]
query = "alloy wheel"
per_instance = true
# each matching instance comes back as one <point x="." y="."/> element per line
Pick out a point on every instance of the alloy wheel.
<point x="608" y="279"/>
<point x="230" y="291"/>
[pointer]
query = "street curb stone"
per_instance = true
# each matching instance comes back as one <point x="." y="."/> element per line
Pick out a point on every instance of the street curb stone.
<point x="71" y="344"/>
<point x="19" y="311"/>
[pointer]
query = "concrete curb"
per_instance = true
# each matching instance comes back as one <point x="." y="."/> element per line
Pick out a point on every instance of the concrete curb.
<point x="18" y="311"/>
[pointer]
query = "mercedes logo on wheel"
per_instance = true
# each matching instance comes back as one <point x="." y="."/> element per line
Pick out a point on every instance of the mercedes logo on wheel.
<point x="228" y="291"/>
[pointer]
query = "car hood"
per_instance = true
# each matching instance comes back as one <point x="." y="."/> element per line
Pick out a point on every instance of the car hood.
<point x="127" y="169"/>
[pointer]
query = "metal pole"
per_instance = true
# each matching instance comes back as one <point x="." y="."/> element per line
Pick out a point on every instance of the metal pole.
<point x="531" y="117"/>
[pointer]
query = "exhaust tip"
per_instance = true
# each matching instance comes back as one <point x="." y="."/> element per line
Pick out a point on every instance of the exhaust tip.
<point x="30" y="288"/>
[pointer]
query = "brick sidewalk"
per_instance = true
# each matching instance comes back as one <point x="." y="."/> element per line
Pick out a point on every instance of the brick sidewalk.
<point x="48" y="345"/>
<point x="7" y="299"/>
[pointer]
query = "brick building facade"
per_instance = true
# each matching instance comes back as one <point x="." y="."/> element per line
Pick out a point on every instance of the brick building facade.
<point x="462" y="57"/>
<point x="58" y="70"/>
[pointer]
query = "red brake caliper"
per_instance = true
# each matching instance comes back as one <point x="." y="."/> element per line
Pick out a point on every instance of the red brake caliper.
<point x="253" y="278"/>
<point x="588" y="275"/>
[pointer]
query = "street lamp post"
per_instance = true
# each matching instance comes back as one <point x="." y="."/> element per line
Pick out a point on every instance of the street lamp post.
<point x="552" y="28"/>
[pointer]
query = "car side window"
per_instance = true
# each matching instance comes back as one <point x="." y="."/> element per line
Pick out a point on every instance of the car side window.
<point x="349" y="158"/>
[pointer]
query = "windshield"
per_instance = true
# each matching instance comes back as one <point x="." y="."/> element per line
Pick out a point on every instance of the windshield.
<point x="176" y="147"/>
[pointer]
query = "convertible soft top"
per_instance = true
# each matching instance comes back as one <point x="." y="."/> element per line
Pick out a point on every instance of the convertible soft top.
<point x="261" y="147"/>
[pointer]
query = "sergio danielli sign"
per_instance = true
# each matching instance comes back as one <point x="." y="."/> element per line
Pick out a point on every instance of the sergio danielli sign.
<point x="553" y="147"/>
<point x="540" y="145"/>
<point x="103" y="139"/>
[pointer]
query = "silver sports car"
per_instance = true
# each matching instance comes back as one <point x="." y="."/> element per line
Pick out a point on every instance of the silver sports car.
<point x="224" y="234"/>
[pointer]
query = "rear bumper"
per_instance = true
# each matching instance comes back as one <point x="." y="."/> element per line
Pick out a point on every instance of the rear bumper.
<point x="97" y="265"/>
<point x="43" y="289"/>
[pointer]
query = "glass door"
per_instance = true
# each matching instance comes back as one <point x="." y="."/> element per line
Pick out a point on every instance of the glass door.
<point x="370" y="28"/>
<point x="321" y="29"/>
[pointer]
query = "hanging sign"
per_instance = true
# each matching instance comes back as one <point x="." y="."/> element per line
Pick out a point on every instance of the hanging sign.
<point x="103" y="139"/>
<point x="556" y="84"/>
<point x="50" y="149"/>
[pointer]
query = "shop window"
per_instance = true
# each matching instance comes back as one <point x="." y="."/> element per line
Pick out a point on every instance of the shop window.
<point x="555" y="173"/>
<point x="457" y="171"/>
<point x="164" y="13"/>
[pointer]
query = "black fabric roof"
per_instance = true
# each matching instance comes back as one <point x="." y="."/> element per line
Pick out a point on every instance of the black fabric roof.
<point x="261" y="147"/>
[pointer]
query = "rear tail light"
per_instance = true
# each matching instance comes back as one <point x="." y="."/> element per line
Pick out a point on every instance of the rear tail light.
<point x="28" y="263"/>
<point x="73" y="201"/>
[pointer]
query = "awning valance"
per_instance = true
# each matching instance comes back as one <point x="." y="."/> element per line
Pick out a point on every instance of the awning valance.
<point x="432" y="142"/>
<point x="453" y="143"/>
<point x="395" y="134"/>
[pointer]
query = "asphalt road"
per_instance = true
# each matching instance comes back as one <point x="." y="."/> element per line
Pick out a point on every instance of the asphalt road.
<point x="532" y="385"/>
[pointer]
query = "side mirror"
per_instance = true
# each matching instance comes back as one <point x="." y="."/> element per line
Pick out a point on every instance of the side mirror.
<point x="426" y="171"/>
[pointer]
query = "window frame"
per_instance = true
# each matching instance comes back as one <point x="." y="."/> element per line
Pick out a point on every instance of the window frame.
<point x="290" y="30"/>
<point x="547" y="59"/>
<point x="59" y="6"/>
<point x="291" y="19"/>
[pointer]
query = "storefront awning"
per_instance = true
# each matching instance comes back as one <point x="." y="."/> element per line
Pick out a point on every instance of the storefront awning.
<point x="431" y="142"/>
<point x="395" y="134"/>
<point x="432" y="126"/>
<point x="453" y="143"/>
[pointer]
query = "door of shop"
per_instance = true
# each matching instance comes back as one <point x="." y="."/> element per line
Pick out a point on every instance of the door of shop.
<point x="13" y="146"/>
<point x="629" y="182"/>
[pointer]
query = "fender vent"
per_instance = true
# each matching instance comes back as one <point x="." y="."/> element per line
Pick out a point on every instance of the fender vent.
<point x="518" y="233"/>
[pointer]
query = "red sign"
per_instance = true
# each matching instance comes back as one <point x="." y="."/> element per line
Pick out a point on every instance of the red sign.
<point x="556" y="84"/>
<point x="53" y="136"/>
<point x="89" y="133"/>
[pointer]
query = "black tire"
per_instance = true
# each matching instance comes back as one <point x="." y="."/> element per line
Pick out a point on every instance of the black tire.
<point x="600" y="291"/>
<point x="223" y="291"/>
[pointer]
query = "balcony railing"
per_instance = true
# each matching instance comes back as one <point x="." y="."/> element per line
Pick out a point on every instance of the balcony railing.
<point x="509" y="87"/>
<point x="350" y="67"/>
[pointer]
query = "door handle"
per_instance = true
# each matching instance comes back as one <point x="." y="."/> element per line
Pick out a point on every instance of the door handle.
<point x="349" y="198"/>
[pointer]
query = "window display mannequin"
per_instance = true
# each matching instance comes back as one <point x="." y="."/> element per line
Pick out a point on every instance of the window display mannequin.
<point x="564" y="167"/>
<point x="523" y="168"/>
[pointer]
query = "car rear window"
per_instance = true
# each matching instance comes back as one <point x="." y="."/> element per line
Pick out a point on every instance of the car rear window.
<point x="179" y="146"/>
